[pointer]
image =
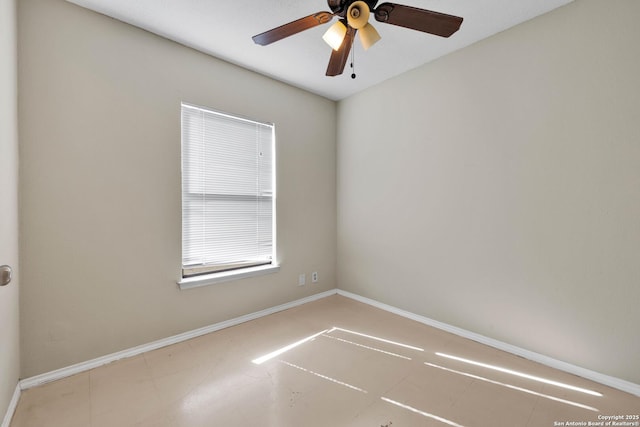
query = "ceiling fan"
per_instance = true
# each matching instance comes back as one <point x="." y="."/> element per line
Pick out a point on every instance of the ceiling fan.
<point x="354" y="17"/>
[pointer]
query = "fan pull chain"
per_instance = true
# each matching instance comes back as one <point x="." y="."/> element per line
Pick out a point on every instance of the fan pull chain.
<point x="353" y="63"/>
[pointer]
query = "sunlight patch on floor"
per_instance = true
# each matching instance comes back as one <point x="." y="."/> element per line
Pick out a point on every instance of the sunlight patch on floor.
<point x="260" y="360"/>
<point x="513" y="387"/>
<point x="424" y="414"/>
<point x="379" y="339"/>
<point x="324" y="377"/>
<point x="388" y="353"/>
<point x="521" y="374"/>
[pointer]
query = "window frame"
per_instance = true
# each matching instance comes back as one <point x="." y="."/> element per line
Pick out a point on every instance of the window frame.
<point x="202" y="274"/>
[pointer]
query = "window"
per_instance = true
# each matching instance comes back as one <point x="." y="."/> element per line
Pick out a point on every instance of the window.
<point x="228" y="193"/>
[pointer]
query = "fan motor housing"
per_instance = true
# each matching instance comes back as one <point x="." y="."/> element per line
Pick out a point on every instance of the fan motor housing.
<point x="340" y="7"/>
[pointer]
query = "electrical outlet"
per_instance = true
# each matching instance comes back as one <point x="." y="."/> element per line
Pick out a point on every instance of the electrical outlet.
<point x="314" y="277"/>
<point x="302" y="279"/>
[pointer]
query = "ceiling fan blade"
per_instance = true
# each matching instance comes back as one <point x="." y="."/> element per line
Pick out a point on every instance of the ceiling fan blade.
<point x="292" y="28"/>
<point x="427" y="21"/>
<point x="339" y="57"/>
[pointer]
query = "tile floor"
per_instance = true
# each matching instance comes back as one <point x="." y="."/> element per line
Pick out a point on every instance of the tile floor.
<point x="353" y="365"/>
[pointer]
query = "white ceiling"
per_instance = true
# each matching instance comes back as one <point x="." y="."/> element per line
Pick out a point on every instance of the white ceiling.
<point x="224" y="29"/>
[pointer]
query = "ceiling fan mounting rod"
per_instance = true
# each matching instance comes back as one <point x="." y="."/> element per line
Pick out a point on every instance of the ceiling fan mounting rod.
<point x="340" y="7"/>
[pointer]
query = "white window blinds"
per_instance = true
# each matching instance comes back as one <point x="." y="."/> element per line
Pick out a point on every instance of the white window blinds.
<point x="227" y="192"/>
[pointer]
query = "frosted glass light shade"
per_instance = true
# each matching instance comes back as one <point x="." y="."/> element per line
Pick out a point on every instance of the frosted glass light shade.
<point x="368" y="36"/>
<point x="335" y="35"/>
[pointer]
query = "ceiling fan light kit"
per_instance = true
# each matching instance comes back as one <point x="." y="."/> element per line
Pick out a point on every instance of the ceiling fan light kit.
<point x="358" y="14"/>
<point x="368" y="36"/>
<point x="358" y="18"/>
<point x="354" y="17"/>
<point x="335" y="35"/>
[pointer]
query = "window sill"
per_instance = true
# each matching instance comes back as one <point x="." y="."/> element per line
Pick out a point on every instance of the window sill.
<point x="226" y="276"/>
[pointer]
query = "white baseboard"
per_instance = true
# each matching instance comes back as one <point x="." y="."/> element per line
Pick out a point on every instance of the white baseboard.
<point x="607" y="380"/>
<point x="13" y="404"/>
<point x="613" y="382"/>
<point x="100" y="361"/>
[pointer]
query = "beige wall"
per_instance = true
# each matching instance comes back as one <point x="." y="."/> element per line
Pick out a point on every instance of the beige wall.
<point x="9" y="295"/>
<point x="498" y="189"/>
<point x="100" y="185"/>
